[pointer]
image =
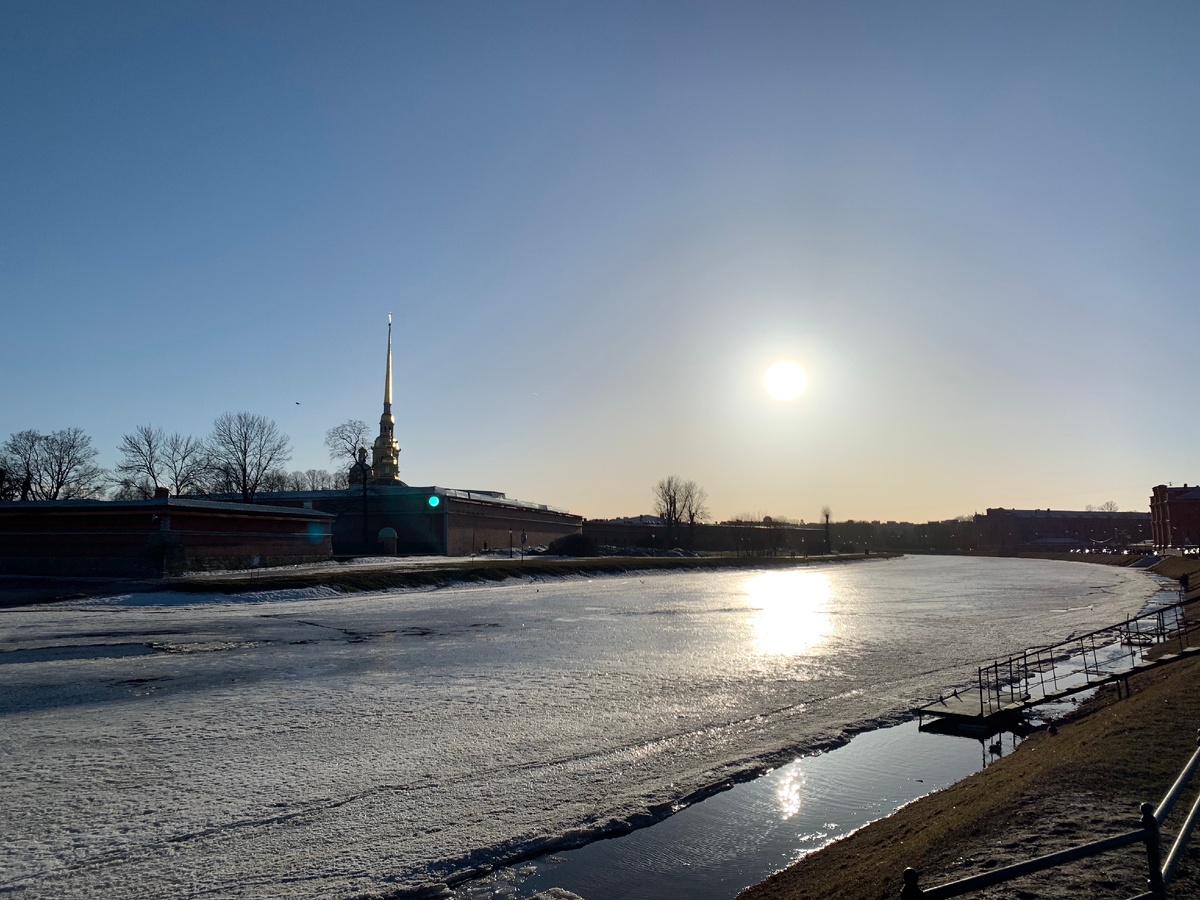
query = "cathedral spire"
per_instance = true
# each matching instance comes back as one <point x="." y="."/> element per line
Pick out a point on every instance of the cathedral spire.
<point x="385" y="454"/>
<point x="387" y="387"/>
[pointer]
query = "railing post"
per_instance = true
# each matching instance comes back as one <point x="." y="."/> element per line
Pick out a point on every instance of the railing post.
<point x="911" y="889"/>
<point x="1153" y="853"/>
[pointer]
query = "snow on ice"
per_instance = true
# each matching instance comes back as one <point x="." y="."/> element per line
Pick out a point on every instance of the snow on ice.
<point x="302" y="743"/>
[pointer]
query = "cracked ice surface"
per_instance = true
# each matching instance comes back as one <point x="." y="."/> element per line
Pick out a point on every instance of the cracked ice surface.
<point x="302" y="744"/>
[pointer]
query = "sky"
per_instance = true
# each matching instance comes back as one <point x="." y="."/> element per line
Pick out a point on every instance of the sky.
<point x="975" y="225"/>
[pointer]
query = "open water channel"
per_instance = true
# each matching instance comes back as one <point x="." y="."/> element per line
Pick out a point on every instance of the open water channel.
<point x="294" y="744"/>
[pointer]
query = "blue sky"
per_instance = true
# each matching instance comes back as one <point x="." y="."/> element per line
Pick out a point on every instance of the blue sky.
<point x="976" y="225"/>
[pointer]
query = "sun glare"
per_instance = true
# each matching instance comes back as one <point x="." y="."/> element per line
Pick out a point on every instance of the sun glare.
<point x="785" y="380"/>
<point x="790" y="612"/>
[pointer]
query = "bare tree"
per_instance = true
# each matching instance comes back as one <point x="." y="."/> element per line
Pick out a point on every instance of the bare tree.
<point x="693" y="507"/>
<point x="56" y="466"/>
<point x="185" y="462"/>
<point x="150" y="457"/>
<point x="22" y="454"/>
<point x="666" y="504"/>
<point x="319" y="480"/>
<point x="70" y="466"/>
<point x="132" y="489"/>
<point x="243" y="448"/>
<point x="276" y="480"/>
<point x="311" y="480"/>
<point x="679" y="502"/>
<point x="342" y="441"/>
<point x="141" y="455"/>
<point x="748" y="517"/>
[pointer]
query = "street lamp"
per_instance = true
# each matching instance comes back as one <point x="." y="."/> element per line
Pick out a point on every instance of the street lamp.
<point x="363" y="471"/>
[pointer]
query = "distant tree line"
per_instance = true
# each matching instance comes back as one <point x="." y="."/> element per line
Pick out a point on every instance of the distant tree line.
<point x="244" y="454"/>
<point x="682" y="505"/>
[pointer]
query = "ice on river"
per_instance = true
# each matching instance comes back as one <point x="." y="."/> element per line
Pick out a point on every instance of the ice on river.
<point x="306" y="744"/>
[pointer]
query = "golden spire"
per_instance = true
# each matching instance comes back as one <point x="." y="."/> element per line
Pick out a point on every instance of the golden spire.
<point x="385" y="456"/>
<point x="387" y="387"/>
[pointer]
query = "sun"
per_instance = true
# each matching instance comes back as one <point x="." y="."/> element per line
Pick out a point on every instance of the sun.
<point x="785" y="380"/>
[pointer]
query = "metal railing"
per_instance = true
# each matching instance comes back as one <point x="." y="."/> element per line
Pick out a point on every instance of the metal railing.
<point x="1082" y="661"/>
<point x="1160" y="873"/>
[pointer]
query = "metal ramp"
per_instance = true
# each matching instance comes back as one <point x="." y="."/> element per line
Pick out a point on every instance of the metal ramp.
<point x="1006" y="688"/>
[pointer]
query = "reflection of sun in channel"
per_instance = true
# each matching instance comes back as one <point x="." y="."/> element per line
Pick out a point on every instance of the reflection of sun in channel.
<point x="790" y="794"/>
<point x="785" y="380"/>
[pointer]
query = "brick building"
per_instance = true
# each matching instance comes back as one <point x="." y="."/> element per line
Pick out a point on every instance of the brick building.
<point x="163" y="536"/>
<point x="1175" y="517"/>
<point x="1058" y="529"/>
<point x="751" y="538"/>
<point x="402" y="519"/>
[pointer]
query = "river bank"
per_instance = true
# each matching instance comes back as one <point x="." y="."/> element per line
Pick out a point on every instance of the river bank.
<point x="364" y="574"/>
<point x="1061" y="789"/>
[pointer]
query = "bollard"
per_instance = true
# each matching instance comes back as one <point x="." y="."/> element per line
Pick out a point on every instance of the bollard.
<point x="911" y="889"/>
<point x="1153" y="853"/>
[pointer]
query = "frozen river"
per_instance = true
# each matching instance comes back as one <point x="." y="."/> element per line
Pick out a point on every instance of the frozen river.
<point x="315" y="746"/>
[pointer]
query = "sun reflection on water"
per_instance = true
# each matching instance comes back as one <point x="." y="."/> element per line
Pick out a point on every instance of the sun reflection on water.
<point x="790" y="794"/>
<point x="791" y="611"/>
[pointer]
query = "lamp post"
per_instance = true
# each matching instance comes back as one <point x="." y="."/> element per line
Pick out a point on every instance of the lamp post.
<point x="510" y="546"/>
<point x="363" y="471"/>
<point x="366" y="530"/>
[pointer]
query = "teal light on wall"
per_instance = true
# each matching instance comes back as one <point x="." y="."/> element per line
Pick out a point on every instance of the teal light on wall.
<point x="434" y="501"/>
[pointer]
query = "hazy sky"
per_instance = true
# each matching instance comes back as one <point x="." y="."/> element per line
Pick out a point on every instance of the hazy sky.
<point x="976" y="225"/>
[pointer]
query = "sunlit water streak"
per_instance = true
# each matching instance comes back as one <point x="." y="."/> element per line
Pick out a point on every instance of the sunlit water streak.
<point x="791" y="611"/>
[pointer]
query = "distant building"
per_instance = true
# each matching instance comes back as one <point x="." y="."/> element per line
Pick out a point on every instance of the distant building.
<point x="429" y="520"/>
<point x="163" y="536"/>
<point x="1175" y="517"/>
<point x="1056" y="529"/>
<point x="751" y="538"/>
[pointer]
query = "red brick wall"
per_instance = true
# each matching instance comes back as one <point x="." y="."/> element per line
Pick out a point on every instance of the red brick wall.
<point x="1175" y="516"/>
<point x="152" y="537"/>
